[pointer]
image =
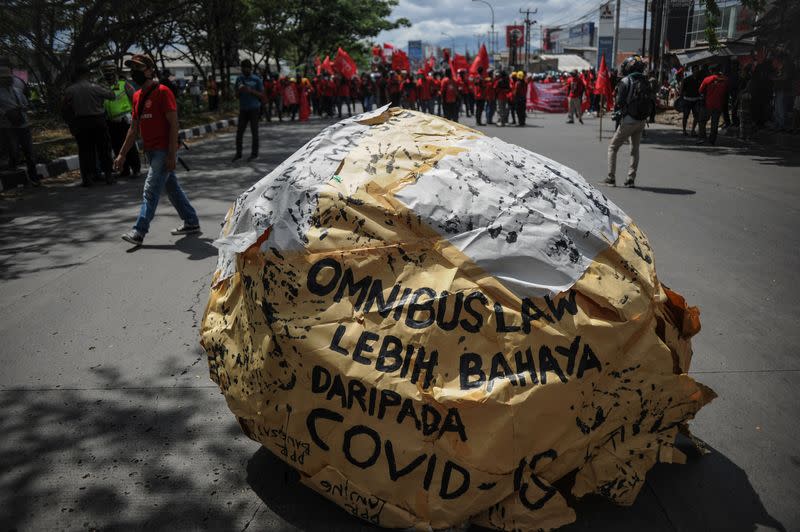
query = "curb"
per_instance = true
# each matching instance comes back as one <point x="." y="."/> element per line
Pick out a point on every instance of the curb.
<point x="66" y="164"/>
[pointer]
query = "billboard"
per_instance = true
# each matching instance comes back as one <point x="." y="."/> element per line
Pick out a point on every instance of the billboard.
<point x="515" y="36"/>
<point x="605" y="47"/>
<point x="582" y="30"/>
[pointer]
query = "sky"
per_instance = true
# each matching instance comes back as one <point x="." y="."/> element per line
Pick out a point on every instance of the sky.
<point x="468" y="22"/>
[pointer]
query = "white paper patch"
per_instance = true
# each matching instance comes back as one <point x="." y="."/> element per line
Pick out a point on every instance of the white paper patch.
<point x="532" y="223"/>
<point x="286" y="198"/>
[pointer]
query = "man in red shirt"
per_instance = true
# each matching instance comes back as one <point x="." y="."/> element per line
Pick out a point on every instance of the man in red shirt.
<point x="425" y="93"/>
<point x="714" y="89"/>
<point x="575" y="90"/>
<point x="155" y="117"/>
<point x="449" y="96"/>
<point x="490" y="97"/>
<point x="479" y="87"/>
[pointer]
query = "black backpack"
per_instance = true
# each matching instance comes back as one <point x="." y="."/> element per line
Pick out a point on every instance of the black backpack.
<point x="641" y="99"/>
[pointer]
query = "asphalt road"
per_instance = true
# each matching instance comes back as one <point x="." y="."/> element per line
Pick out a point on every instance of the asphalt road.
<point x="109" y="419"/>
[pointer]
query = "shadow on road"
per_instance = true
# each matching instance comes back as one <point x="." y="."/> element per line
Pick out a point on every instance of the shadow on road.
<point x="120" y="457"/>
<point x="195" y="248"/>
<point x="667" y="190"/>
<point x="278" y="485"/>
<point x="71" y="217"/>
<point x="707" y="493"/>
<point x="673" y="139"/>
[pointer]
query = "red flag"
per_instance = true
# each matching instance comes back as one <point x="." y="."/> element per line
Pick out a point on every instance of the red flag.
<point x="481" y="60"/>
<point x="344" y="64"/>
<point x="459" y="62"/>
<point x="603" y="83"/>
<point x="326" y="65"/>
<point x="429" y="65"/>
<point x="400" y="61"/>
<point x="388" y="46"/>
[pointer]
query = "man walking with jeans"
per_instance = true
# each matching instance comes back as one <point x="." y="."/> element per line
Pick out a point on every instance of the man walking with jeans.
<point x="155" y="116"/>
<point x="249" y="88"/>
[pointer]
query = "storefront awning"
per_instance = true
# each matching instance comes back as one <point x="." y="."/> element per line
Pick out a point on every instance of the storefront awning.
<point x="703" y="54"/>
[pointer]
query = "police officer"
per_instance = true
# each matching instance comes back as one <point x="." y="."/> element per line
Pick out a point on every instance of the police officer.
<point x="118" y="117"/>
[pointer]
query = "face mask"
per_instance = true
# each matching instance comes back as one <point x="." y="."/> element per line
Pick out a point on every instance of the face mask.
<point x="138" y="76"/>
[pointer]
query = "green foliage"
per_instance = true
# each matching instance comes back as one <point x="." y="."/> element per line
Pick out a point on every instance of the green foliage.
<point x="50" y="38"/>
<point x="713" y="15"/>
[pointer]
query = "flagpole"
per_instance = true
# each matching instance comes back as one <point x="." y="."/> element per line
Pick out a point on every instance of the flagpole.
<point x="602" y="106"/>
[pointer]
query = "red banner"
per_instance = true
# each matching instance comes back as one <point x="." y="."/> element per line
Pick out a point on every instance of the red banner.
<point x="515" y="36"/>
<point x="547" y="97"/>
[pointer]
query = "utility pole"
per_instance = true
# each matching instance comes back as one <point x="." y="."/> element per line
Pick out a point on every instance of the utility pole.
<point x="615" y="49"/>
<point x="492" y="39"/>
<point x="644" y="29"/>
<point x="664" y="21"/>
<point x="528" y="24"/>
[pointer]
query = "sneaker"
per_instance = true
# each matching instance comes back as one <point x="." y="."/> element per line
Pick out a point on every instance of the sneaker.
<point x="609" y="181"/>
<point x="570" y="121"/>
<point x="134" y="237"/>
<point x="629" y="183"/>
<point x="580" y="120"/>
<point x="186" y="229"/>
<point x="236" y="157"/>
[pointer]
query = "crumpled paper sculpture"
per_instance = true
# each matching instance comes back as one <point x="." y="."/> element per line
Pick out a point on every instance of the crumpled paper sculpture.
<point x="436" y="327"/>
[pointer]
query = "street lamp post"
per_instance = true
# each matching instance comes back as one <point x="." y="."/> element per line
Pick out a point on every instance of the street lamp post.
<point x="452" y="42"/>
<point x="492" y="38"/>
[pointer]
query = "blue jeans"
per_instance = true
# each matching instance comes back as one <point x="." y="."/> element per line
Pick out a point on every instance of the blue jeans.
<point x="158" y="179"/>
<point x="490" y="108"/>
<point x="367" y="102"/>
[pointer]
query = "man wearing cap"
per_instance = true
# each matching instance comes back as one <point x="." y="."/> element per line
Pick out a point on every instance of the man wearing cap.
<point x="15" y="131"/>
<point x="155" y="116"/>
<point x="118" y="116"/>
<point x="84" y="105"/>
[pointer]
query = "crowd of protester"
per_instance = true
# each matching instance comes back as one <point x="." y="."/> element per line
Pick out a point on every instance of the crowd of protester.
<point x="744" y="95"/>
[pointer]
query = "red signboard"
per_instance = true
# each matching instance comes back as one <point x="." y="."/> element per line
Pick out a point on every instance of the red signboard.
<point x="515" y="36"/>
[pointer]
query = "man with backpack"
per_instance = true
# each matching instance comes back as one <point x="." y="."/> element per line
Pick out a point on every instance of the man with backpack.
<point x="633" y="104"/>
<point x="502" y="89"/>
<point x="155" y="116"/>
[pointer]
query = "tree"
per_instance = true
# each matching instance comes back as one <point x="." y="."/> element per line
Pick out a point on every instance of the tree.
<point x="777" y="27"/>
<point x="51" y="38"/>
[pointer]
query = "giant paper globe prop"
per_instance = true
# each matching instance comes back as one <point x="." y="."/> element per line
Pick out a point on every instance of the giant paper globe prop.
<point x="436" y="327"/>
